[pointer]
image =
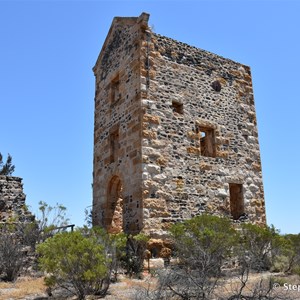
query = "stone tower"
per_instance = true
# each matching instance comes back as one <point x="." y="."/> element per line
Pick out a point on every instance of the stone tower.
<point x="175" y="134"/>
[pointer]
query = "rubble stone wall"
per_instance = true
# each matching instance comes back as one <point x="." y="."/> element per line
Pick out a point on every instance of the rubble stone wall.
<point x="215" y="93"/>
<point x="12" y="201"/>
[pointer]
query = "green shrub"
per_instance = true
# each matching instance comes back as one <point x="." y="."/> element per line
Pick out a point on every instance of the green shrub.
<point x="118" y="252"/>
<point x="133" y="261"/>
<point x="77" y="260"/>
<point x="288" y="259"/>
<point x="204" y="236"/>
<point x="259" y="246"/>
<point x="202" y="244"/>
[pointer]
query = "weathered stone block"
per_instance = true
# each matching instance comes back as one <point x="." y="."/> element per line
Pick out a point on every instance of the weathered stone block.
<point x="153" y="169"/>
<point x="193" y="150"/>
<point x="151" y="119"/>
<point x="160" y="178"/>
<point x="149" y="134"/>
<point x="205" y="166"/>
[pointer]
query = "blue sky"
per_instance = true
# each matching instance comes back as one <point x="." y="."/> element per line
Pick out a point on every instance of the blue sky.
<point x="48" y="49"/>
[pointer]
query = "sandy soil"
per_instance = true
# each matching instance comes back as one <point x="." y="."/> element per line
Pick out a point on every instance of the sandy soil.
<point x="28" y="288"/>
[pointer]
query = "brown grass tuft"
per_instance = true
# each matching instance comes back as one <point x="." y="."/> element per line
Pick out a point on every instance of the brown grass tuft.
<point x="24" y="286"/>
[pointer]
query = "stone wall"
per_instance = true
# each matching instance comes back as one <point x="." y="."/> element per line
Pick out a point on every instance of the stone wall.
<point x="117" y="174"/>
<point x="12" y="201"/>
<point x="183" y="178"/>
<point x="179" y="140"/>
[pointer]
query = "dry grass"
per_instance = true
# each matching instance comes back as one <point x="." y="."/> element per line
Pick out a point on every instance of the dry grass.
<point x="23" y="287"/>
<point x="126" y="287"/>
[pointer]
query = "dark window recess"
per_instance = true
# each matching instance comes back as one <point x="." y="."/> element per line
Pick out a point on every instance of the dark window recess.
<point x="114" y="145"/>
<point x="177" y="107"/>
<point x="115" y="89"/>
<point x="216" y="85"/>
<point x="236" y="200"/>
<point x="207" y="141"/>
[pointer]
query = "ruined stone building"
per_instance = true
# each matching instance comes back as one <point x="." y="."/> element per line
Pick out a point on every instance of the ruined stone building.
<point x="175" y="133"/>
<point x="13" y="208"/>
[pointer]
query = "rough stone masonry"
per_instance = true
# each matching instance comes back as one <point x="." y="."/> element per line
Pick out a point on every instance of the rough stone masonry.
<point x="175" y="134"/>
<point x="13" y="208"/>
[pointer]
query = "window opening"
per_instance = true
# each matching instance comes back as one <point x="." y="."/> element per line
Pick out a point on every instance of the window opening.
<point x="177" y="107"/>
<point x="216" y="85"/>
<point x="207" y="141"/>
<point x="115" y="89"/>
<point x="114" y="145"/>
<point x="236" y="200"/>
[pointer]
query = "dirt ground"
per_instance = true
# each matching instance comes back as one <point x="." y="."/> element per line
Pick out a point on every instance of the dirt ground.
<point x="28" y="288"/>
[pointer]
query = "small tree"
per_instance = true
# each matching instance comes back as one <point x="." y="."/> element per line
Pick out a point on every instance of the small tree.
<point x="288" y="258"/>
<point x="202" y="244"/>
<point x="76" y="262"/>
<point x="118" y="252"/>
<point x="17" y="235"/>
<point x="134" y="259"/>
<point x="292" y="242"/>
<point x="256" y="251"/>
<point x="49" y="218"/>
<point x="88" y="217"/>
<point x="259" y="246"/>
<point x="8" y="168"/>
<point x="11" y="256"/>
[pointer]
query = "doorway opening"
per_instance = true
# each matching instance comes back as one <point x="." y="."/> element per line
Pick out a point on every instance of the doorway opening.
<point x="236" y="200"/>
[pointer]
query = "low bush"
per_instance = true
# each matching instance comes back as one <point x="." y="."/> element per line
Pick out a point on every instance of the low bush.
<point x="77" y="262"/>
<point x="11" y="256"/>
<point x="133" y="260"/>
<point x="202" y="244"/>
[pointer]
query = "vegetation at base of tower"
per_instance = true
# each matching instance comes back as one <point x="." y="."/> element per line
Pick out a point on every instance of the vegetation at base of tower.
<point x="6" y="168"/>
<point x="77" y="261"/>
<point x="133" y="260"/>
<point x="87" y="260"/>
<point x="287" y="259"/>
<point x="205" y="245"/>
<point x="256" y="251"/>
<point x="118" y="249"/>
<point x="211" y="258"/>
<point x="261" y="244"/>
<point x="202" y="245"/>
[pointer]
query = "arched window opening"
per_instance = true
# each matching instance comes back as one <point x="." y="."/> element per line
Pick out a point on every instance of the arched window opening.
<point x="114" y="208"/>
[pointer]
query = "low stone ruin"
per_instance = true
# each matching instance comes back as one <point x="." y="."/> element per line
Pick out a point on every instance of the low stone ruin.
<point x="13" y="208"/>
